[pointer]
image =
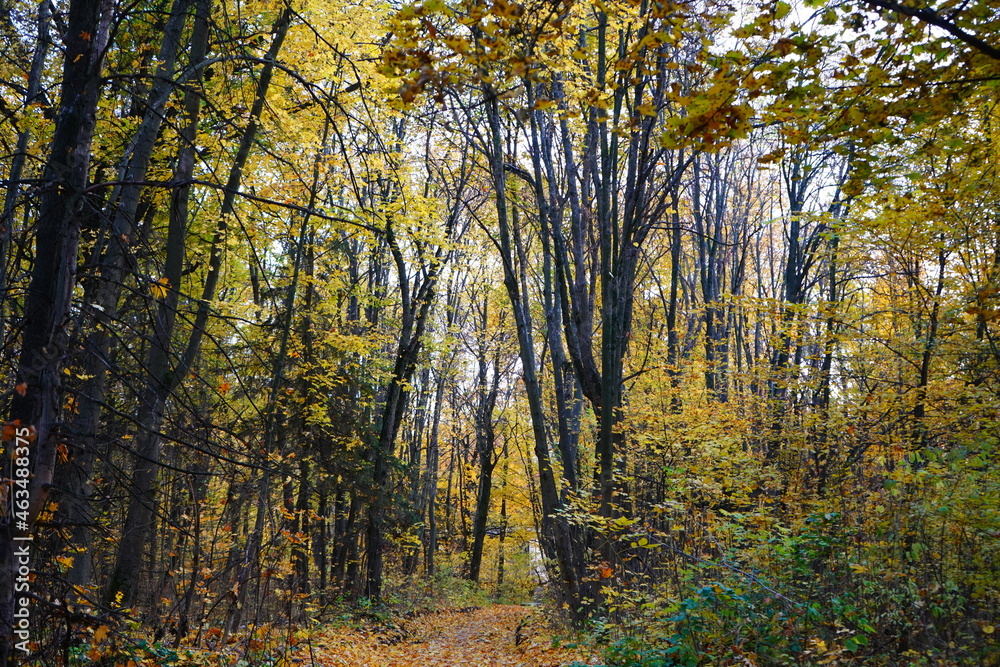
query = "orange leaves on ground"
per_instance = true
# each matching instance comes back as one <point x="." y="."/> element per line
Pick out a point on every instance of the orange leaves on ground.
<point x="496" y="636"/>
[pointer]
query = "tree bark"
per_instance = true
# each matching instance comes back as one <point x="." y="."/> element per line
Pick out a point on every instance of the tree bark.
<point x="162" y="375"/>
<point x="102" y="298"/>
<point x="45" y="326"/>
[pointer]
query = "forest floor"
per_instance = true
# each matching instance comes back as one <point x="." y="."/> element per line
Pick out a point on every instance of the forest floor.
<point x="495" y="636"/>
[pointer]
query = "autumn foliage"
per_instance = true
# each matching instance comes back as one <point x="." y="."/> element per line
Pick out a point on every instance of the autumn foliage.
<point x="607" y="332"/>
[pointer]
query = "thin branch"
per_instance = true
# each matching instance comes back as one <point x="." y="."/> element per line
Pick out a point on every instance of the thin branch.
<point x="930" y="16"/>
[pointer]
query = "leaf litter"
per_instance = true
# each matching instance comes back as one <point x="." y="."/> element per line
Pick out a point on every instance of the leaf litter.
<point x="495" y="636"/>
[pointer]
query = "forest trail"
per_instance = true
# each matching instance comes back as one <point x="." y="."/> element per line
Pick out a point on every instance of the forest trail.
<point x="495" y="636"/>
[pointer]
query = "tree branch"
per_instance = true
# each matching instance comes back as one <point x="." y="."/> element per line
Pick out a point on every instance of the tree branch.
<point x="928" y="15"/>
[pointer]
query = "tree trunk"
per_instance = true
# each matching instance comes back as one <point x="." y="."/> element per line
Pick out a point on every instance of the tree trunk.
<point x="45" y="325"/>
<point x="162" y="376"/>
<point x="556" y="535"/>
<point x="32" y="92"/>
<point x="485" y="444"/>
<point x="102" y="299"/>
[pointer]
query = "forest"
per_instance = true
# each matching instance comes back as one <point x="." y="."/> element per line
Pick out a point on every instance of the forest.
<point x="674" y="324"/>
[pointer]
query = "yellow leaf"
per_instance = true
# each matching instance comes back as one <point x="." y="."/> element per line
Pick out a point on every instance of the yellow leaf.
<point x="101" y="633"/>
<point x="988" y="629"/>
<point x="159" y="288"/>
<point x="646" y="109"/>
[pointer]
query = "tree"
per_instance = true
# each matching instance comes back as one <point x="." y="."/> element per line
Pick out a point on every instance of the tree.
<point x="45" y="325"/>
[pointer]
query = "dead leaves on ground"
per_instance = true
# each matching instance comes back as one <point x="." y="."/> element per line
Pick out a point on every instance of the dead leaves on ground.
<point x="483" y="637"/>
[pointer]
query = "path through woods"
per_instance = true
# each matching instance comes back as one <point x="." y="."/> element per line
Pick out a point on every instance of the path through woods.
<point x="496" y="636"/>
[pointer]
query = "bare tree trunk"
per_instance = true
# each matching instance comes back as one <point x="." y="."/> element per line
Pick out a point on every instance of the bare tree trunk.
<point x="487" y="390"/>
<point x="919" y="436"/>
<point x="431" y="478"/>
<point x="501" y="555"/>
<point x="273" y="423"/>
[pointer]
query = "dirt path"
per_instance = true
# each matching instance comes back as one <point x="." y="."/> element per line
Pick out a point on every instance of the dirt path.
<point x="497" y="636"/>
